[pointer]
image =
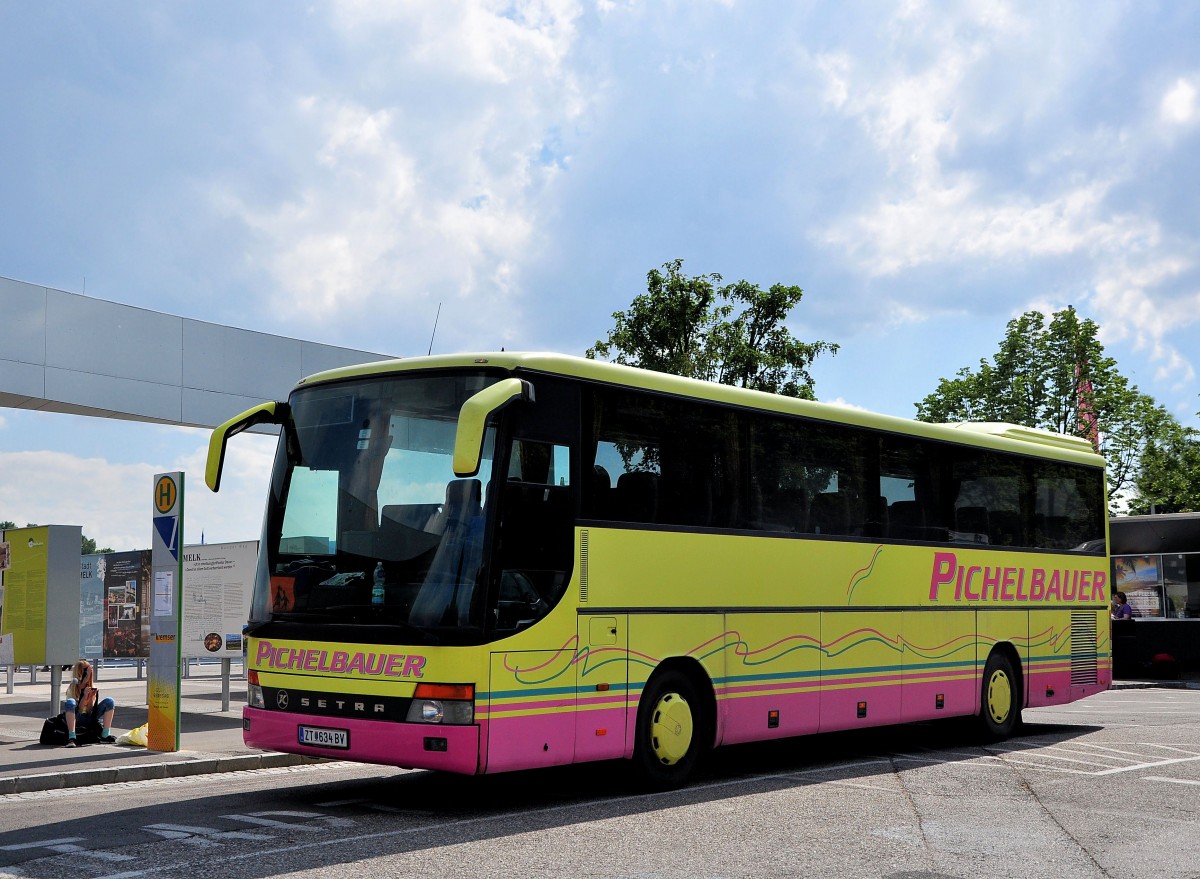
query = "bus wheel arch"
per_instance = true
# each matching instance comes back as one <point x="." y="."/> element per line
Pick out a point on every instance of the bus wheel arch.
<point x="1001" y="693"/>
<point x="676" y="723"/>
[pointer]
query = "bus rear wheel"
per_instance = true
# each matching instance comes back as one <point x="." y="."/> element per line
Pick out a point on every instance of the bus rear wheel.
<point x="671" y="730"/>
<point x="1000" y="698"/>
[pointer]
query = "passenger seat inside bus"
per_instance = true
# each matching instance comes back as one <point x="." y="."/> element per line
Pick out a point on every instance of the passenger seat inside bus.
<point x="445" y="596"/>
<point x="779" y="509"/>
<point x="1005" y="528"/>
<point x="636" y="498"/>
<point x="906" y="520"/>
<point x="971" y="523"/>
<point x="829" y="513"/>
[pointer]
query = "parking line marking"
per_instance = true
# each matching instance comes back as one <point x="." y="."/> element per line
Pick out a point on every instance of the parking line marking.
<point x="1148" y="765"/>
<point x="1136" y="756"/>
<point x="1041" y="752"/>
<point x="1172" y="780"/>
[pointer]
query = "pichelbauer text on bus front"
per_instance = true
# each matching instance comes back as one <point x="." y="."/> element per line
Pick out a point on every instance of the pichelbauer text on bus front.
<point x="998" y="583"/>
<point x="394" y="665"/>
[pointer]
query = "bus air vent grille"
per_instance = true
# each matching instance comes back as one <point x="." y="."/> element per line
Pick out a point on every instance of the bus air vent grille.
<point x="1084" y="660"/>
<point x="583" y="566"/>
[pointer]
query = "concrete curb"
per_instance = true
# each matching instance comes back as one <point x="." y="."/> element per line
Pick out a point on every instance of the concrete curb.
<point x="148" y="771"/>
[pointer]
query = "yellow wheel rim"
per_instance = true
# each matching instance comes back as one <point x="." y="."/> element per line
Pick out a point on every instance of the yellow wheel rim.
<point x="999" y="696"/>
<point x="671" y="729"/>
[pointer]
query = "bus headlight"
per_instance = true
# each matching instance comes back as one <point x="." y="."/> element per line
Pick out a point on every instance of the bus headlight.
<point x="254" y="693"/>
<point x="442" y="703"/>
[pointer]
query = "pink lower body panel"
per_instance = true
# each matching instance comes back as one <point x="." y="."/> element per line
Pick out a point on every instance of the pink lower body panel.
<point x="411" y="745"/>
<point x="748" y="717"/>
<point x="1052" y="685"/>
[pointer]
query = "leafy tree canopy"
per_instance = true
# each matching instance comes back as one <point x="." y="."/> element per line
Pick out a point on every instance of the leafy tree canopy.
<point x="732" y="334"/>
<point x="88" y="544"/>
<point x="1169" y="478"/>
<point x="1055" y="375"/>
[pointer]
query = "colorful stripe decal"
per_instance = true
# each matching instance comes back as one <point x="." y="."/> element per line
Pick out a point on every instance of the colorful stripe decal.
<point x="1048" y="653"/>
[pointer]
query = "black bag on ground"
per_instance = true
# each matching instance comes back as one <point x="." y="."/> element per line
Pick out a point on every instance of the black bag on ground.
<point x="54" y="730"/>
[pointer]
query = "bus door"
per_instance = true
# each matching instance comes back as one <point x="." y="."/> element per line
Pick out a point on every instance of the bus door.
<point x="531" y="720"/>
<point x="602" y="686"/>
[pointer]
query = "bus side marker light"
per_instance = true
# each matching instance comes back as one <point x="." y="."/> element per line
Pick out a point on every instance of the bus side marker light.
<point x="862" y="709"/>
<point x="432" y="744"/>
<point x="1049" y="691"/>
<point x="603" y="688"/>
<point x="773" y="719"/>
<point x="940" y="701"/>
<point x="602" y="731"/>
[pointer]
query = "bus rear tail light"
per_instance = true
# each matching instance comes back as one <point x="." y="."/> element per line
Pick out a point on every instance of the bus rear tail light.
<point x="443" y="703"/>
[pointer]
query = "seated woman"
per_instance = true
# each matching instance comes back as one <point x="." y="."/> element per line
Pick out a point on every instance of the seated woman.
<point x="84" y="708"/>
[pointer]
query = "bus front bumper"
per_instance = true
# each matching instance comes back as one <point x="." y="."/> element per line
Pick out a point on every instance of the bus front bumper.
<point x="410" y="745"/>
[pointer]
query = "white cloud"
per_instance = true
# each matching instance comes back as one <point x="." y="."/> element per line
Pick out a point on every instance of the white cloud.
<point x="433" y="190"/>
<point x="843" y="402"/>
<point x="111" y="502"/>
<point x="1179" y="105"/>
<point x="483" y="40"/>
<point x="1125" y="296"/>
<point x="925" y="107"/>
<point x="956" y="222"/>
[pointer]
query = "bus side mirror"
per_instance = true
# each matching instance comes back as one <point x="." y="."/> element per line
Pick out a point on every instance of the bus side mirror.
<point x="264" y="413"/>
<point x="472" y="420"/>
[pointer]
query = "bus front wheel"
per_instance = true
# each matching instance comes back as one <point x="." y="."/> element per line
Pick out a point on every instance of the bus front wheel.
<point x="1000" y="698"/>
<point x="671" y="733"/>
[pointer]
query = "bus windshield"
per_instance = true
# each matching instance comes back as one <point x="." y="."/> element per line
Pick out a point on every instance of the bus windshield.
<point x="367" y="523"/>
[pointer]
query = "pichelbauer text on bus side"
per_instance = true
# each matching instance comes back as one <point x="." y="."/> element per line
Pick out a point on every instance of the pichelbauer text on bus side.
<point x="389" y="665"/>
<point x="996" y="583"/>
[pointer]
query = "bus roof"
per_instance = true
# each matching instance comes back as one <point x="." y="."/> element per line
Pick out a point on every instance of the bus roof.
<point x="993" y="435"/>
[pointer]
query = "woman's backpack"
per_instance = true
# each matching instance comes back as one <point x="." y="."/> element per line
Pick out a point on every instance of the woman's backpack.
<point x="54" y="730"/>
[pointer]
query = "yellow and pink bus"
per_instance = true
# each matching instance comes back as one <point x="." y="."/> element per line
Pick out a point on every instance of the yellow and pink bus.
<point x="505" y="561"/>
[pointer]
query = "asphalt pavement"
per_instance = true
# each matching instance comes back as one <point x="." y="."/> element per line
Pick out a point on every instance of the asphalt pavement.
<point x="210" y="736"/>
<point x="210" y="739"/>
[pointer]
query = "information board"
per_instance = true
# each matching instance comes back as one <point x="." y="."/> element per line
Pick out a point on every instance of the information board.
<point x="218" y="580"/>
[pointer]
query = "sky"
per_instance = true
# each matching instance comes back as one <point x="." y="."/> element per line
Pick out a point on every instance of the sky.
<point x="339" y="171"/>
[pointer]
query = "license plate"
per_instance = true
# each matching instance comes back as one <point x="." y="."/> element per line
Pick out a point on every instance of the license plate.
<point x="324" y="738"/>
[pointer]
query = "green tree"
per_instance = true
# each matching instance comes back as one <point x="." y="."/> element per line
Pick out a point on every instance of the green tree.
<point x="1055" y="375"/>
<point x="1169" y="478"/>
<point x="87" y="547"/>
<point x="733" y="334"/>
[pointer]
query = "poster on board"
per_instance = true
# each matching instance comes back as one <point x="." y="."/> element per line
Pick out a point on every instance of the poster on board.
<point x="1138" y="577"/>
<point x="218" y="579"/>
<point x="126" y="617"/>
<point x="24" y="604"/>
<point x="91" y="606"/>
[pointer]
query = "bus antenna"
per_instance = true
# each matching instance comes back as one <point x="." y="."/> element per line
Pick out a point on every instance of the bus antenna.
<point x="434" y="333"/>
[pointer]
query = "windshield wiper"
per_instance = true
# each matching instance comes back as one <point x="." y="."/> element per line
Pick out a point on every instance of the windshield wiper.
<point x="360" y="614"/>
